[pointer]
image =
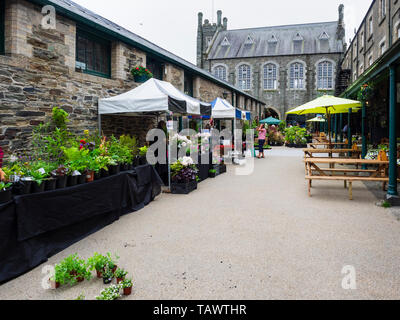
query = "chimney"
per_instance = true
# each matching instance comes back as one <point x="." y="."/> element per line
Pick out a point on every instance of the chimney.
<point x="219" y="21"/>
<point x="225" y="24"/>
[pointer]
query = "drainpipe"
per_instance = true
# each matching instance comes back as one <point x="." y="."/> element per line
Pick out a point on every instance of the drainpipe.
<point x="392" y="188"/>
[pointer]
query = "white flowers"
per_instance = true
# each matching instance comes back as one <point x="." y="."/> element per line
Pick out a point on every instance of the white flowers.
<point x="182" y="141"/>
<point x="186" y="161"/>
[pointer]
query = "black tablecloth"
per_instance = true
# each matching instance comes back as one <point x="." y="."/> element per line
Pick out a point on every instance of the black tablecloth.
<point x="37" y="226"/>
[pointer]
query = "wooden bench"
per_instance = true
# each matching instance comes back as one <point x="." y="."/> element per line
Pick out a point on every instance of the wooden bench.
<point x="315" y="172"/>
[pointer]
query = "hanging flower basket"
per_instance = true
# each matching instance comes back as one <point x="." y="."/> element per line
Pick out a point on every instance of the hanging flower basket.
<point x="141" y="74"/>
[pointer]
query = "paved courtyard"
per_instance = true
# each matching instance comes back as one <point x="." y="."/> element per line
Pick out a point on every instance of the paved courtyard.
<point x="246" y="237"/>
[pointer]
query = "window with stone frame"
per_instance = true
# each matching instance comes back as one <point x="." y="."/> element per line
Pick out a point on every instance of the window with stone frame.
<point x="220" y="72"/>
<point x="382" y="9"/>
<point x="325" y="75"/>
<point x="244" y="77"/>
<point x="296" y="75"/>
<point x="2" y="26"/>
<point x="270" y="77"/>
<point x="93" y="54"/>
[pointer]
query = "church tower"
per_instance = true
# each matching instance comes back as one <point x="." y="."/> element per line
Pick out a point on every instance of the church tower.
<point x="206" y="33"/>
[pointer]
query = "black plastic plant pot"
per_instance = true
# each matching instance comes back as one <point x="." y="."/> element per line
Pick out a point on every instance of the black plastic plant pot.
<point x="104" y="173"/>
<point x="22" y="187"/>
<point x="124" y="167"/>
<point x="107" y="280"/>
<point x="212" y="175"/>
<point x="50" y="184"/>
<point x="38" y="188"/>
<point x="203" y="171"/>
<point x="97" y="175"/>
<point x="72" y="181"/>
<point x="61" y="182"/>
<point x="142" y="160"/>
<point x="113" y="170"/>
<point x="81" y="179"/>
<point x="136" y="162"/>
<point x="5" y="196"/>
<point x="222" y="168"/>
<point x="183" y="188"/>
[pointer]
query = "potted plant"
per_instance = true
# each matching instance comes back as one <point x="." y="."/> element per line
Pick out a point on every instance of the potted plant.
<point x="141" y="74"/>
<point x="97" y="262"/>
<point x="212" y="173"/>
<point x="127" y="286"/>
<point x="110" y="293"/>
<point x="111" y="262"/>
<point x="5" y="192"/>
<point x="142" y="155"/>
<point x="120" y="275"/>
<point x="38" y="177"/>
<point x="183" y="176"/>
<point x="61" y="174"/>
<point x="60" y="277"/>
<point x="108" y="275"/>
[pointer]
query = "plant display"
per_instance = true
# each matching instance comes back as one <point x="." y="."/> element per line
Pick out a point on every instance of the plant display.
<point x="108" y="275"/>
<point x="180" y="141"/>
<point x="4" y="186"/>
<point x="71" y="270"/>
<point x="127" y="283"/>
<point x="296" y="135"/>
<point x="183" y="170"/>
<point x="140" y="71"/>
<point x="110" y="293"/>
<point x="111" y="262"/>
<point x="97" y="262"/>
<point x="143" y="151"/>
<point x="120" y="273"/>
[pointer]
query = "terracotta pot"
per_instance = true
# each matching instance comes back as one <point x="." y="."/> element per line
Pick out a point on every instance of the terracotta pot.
<point x="114" y="269"/>
<point x="54" y="285"/>
<point x="127" y="291"/>
<point x="99" y="274"/>
<point x="90" y="176"/>
<point x="80" y="279"/>
<point x="119" y="280"/>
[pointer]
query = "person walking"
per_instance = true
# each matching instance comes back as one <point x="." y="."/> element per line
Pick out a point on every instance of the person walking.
<point x="262" y="134"/>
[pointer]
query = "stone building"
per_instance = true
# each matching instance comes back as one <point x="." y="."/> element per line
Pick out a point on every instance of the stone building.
<point x="285" y="66"/>
<point x="74" y="57"/>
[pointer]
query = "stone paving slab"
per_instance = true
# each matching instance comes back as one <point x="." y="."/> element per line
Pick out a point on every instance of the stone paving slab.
<point x="246" y="237"/>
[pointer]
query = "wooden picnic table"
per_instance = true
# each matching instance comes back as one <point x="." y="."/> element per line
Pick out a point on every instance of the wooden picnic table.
<point x="327" y="144"/>
<point x="311" y="151"/>
<point x="314" y="171"/>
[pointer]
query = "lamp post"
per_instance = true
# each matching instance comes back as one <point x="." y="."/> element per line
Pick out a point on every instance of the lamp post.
<point x="392" y="187"/>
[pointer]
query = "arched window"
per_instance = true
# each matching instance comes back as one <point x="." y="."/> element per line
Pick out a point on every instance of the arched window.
<point x="220" y="72"/>
<point x="244" y="77"/>
<point x="270" y="76"/>
<point x="296" y="76"/>
<point x="325" y="75"/>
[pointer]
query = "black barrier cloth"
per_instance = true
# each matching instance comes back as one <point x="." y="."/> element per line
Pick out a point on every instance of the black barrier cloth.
<point x="35" y="227"/>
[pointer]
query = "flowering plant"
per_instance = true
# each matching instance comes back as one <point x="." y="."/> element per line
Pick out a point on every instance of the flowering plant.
<point x="184" y="170"/>
<point x="139" y="71"/>
<point x="181" y="141"/>
<point x="110" y="293"/>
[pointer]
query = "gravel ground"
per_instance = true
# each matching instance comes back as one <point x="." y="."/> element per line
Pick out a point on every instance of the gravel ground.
<point x="246" y="237"/>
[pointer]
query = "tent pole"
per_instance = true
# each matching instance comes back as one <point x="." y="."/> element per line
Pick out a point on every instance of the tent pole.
<point x="168" y="158"/>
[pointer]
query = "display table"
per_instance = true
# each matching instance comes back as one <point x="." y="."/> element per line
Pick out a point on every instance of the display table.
<point x="37" y="226"/>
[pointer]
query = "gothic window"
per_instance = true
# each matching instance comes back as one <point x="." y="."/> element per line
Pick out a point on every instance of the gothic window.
<point x="325" y="75"/>
<point x="244" y="77"/>
<point x="93" y="54"/>
<point x="220" y="72"/>
<point x="270" y="77"/>
<point x="382" y="8"/>
<point x="296" y="75"/>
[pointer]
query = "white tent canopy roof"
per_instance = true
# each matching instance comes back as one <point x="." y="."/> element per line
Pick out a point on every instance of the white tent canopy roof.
<point x="222" y="109"/>
<point x="152" y="96"/>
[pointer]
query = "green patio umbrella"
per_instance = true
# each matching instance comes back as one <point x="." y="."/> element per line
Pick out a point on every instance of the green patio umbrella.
<point x="271" y="121"/>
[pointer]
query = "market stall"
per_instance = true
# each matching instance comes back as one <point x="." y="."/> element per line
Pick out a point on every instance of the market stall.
<point x="154" y="98"/>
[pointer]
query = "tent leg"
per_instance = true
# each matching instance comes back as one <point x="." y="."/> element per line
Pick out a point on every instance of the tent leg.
<point x="100" y="125"/>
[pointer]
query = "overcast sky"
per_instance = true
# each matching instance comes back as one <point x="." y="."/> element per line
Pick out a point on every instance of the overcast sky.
<point x="172" y="24"/>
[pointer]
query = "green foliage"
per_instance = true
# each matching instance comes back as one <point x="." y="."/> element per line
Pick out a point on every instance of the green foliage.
<point x="143" y="151"/>
<point x="120" y="273"/>
<point x="131" y="143"/>
<point x="141" y="71"/>
<point x="111" y="261"/>
<point x="4" y="186"/>
<point x="71" y="268"/>
<point x="110" y="293"/>
<point x="81" y="297"/>
<point x="296" y="135"/>
<point x="282" y="126"/>
<point x="120" y="152"/>
<point x="127" y="283"/>
<point x="212" y="171"/>
<point x="60" y="118"/>
<point x="97" y="262"/>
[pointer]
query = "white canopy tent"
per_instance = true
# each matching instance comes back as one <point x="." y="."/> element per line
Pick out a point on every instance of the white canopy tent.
<point x="222" y="109"/>
<point x="153" y="97"/>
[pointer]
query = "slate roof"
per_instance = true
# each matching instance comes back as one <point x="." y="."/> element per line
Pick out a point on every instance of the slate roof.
<point x="283" y="36"/>
<point x="74" y="10"/>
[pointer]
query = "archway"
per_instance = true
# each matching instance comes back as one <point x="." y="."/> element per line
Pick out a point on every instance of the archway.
<point x="271" y="112"/>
